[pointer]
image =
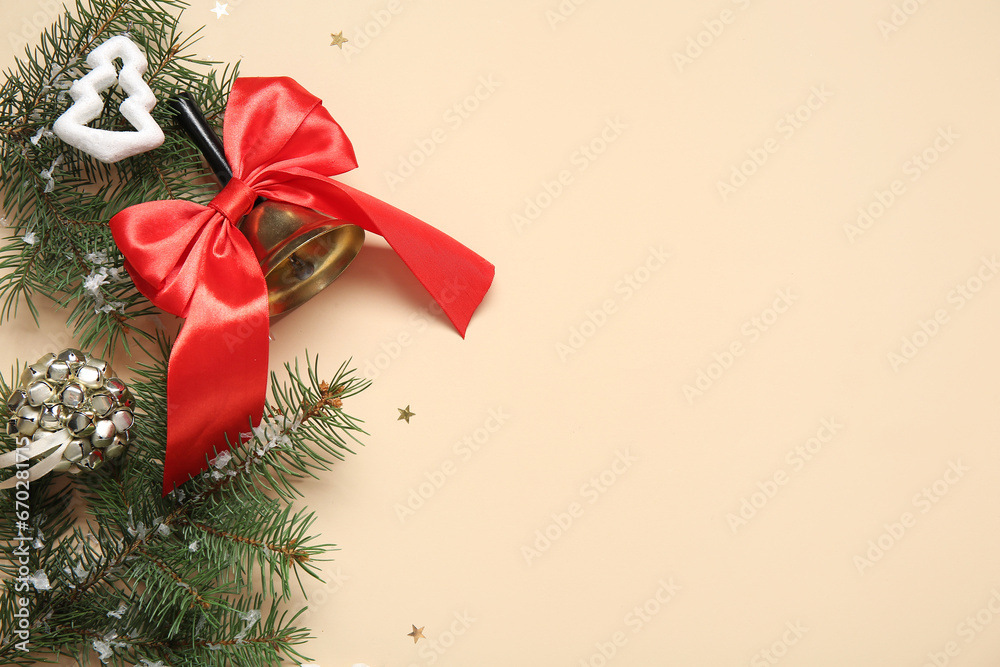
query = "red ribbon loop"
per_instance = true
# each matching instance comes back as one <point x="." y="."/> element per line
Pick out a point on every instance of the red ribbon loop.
<point x="234" y="201"/>
<point x="190" y="260"/>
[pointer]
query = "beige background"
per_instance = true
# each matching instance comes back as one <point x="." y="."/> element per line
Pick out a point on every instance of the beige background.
<point x="882" y="95"/>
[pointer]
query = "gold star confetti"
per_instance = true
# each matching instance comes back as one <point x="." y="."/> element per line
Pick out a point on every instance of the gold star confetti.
<point x="338" y="40"/>
<point x="404" y="413"/>
<point x="416" y="634"/>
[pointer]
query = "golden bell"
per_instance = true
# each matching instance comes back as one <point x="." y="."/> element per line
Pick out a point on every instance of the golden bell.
<point x="300" y="251"/>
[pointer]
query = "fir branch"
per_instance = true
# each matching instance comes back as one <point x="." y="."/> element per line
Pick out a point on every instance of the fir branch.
<point x="134" y="554"/>
<point x="177" y="579"/>
<point x="67" y="212"/>
<point x="146" y="577"/>
<point x="290" y="552"/>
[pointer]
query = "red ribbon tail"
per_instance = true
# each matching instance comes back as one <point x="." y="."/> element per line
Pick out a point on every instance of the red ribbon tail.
<point x="454" y="275"/>
<point x="217" y="376"/>
<point x="213" y="392"/>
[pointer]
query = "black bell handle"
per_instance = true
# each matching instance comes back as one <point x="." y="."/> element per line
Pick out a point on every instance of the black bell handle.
<point x="194" y="123"/>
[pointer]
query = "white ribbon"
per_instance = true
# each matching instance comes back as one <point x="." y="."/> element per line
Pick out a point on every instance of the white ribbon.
<point x="56" y="443"/>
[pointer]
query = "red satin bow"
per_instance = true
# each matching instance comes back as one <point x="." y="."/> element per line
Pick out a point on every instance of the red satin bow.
<point x="192" y="261"/>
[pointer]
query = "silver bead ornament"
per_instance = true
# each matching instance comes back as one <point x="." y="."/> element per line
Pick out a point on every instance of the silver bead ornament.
<point x="73" y="405"/>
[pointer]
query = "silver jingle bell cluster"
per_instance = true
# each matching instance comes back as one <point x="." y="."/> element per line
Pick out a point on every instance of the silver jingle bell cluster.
<point x="78" y="393"/>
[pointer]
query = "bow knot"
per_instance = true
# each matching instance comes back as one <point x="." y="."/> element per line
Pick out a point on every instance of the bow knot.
<point x="234" y="201"/>
<point x="190" y="260"/>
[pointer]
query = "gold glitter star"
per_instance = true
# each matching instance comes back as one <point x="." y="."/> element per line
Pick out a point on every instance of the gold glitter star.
<point x="416" y="634"/>
<point x="404" y="413"/>
<point x="338" y="40"/>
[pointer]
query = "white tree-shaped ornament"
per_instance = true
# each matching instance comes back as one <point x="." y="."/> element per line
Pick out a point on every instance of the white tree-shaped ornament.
<point x="105" y="145"/>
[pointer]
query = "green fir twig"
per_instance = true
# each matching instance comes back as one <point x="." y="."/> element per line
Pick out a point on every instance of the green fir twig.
<point x="58" y="200"/>
<point x="132" y="578"/>
<point x="178" y="570"/>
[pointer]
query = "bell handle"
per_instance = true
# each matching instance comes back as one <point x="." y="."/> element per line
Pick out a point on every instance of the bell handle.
<point x="194" y="123"/>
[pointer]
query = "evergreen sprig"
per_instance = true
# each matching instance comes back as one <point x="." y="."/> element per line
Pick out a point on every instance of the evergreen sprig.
<point x="198" y="577"/>
<point x="58" y="200"/>
<point x="170" y="579"/>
